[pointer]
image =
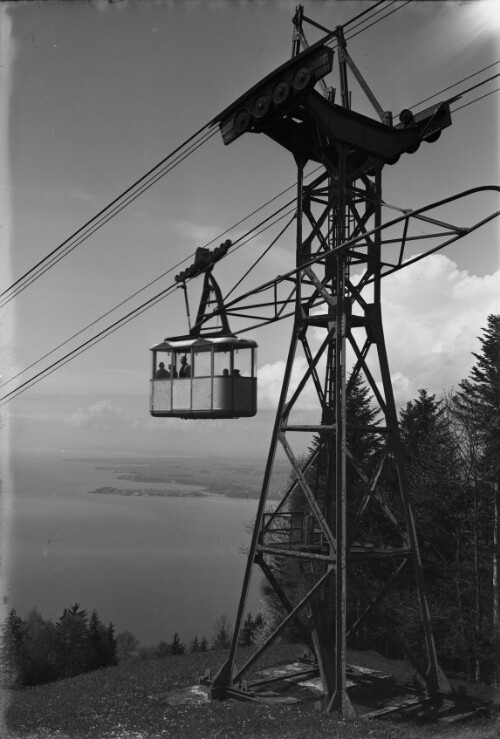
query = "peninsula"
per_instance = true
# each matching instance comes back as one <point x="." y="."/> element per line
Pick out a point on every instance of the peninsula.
<point x="148" y="492"/>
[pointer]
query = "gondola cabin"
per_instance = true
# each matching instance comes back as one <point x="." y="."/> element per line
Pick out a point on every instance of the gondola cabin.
<point x="204" y="378"/>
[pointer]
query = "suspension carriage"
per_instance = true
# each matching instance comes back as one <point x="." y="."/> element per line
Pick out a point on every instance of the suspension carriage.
<point x="206" y="374"/>
<point x="204" y="378"/>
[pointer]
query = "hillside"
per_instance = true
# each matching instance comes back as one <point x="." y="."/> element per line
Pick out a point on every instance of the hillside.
<point x="129" y="701"/>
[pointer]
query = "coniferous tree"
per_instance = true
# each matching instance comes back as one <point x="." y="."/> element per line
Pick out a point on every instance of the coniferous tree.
<point x="110" y="655"/>
<point x="431" y="453"/>
<point x="247" y="632"/>
<point x="176" y="646"/>
<point x="102" y="644"/>
<point x="74" y="654"/>
<point x="222" y="633"/>
<point x="363" y="445"/>
<point x="258" y="623"/>
<point x="97" y="640"/>
<point x="477" y="409"/>
<point x="39" y="652"/>
<point x="251" y="630"/>
<point x="195" y="645"/>
<point x="435" y="490"/>
<point x="479" y="398"/>
<point x="13" y="630"/>
<point x="203" y="644"/>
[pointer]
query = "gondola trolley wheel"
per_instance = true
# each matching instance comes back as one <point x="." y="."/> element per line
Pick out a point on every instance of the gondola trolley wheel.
<point x="281" y="92"/>
<point x="242" y="121"/>
<point x="261" y="106"/>
<point x="433" y="137"/>
<point x="302" y="79"/>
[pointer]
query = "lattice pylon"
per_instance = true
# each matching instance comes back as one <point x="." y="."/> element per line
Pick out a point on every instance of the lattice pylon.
<point x="338" y="292"/>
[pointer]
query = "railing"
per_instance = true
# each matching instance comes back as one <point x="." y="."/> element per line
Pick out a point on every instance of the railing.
<point x="292" y="530"/>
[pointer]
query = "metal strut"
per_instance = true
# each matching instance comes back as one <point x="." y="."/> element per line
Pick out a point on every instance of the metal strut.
<point x="211" y="294"/>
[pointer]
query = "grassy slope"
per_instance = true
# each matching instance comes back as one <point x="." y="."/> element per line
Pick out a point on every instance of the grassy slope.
<point x="116" y="702"/>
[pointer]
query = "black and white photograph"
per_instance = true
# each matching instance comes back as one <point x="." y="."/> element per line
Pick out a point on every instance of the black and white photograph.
<point x="249" y="369"/>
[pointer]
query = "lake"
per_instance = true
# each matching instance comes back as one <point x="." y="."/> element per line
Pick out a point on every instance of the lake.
<point x="151" y="565"/>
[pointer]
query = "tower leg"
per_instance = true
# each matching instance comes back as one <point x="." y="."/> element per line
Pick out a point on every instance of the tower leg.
<point x="223" y="679"/>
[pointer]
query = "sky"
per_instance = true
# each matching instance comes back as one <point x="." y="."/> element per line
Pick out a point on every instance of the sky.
<point x="95" y="94"/>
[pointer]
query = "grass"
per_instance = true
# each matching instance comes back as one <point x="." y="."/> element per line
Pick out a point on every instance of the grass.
<point x="116" y="703"/>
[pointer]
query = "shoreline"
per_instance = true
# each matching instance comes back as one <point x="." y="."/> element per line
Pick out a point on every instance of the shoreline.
<point x="148" y="492"/>
<point x="155" y="493"/>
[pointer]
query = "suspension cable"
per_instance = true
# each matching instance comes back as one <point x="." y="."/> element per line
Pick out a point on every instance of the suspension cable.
<point x="374" y="23"/>
<point x="244" y="239"/>
<point x="487" y="94"/>
<point x="128" y="196"/>
<point x="360" y="15"/>
<point x="455" y="84"/>
<point x="267" y="249"/>
<point x="104" y="333"/>
<point x="112" y="209"/>
<point x="162" y="294"/>
<point x="87" y="344"/>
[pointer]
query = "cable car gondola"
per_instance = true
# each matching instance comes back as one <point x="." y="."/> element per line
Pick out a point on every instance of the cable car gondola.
<point x="204" y="374"/>
<point x="204" y="378"/>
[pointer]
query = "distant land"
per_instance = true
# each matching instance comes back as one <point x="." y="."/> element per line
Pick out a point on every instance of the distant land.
<point x="181" y="476"/>
<point x="149" y="492"/>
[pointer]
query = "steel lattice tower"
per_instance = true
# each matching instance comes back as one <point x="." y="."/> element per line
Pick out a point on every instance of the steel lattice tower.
<point x="351" y="535"/>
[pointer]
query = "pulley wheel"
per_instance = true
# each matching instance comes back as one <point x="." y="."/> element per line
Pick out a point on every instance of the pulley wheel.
<point x="242" y="121"/>
<point x="302" y="79"/>
<point x="394" y="159"/>
<point x="281" y="92"/>
<point x="433" y="137"/>
<point x="261" y="106"/>
<point x="406" y="117"/>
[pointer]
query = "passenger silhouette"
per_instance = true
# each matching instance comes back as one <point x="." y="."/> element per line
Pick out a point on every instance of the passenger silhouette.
<point x="161" y="372"/>
<point x="185" y="370"/>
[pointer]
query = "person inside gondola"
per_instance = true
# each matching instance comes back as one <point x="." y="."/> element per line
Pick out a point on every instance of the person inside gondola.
<point x="172" y="372"/>
<point x="185" y="370"/>
<point x="161" y="372"/>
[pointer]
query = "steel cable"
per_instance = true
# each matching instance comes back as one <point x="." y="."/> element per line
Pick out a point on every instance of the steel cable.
<point x="464" y="79"/>
<point x="244" y="239"/>
<point x="97" y="221"/>
<point x="128" y="196"/>
<point x="104" y="333"/>
<point x="487" y="94"/>
<point x="86" y="345"/>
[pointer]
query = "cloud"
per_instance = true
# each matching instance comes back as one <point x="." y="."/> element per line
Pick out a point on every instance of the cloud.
<point x="270" y="379"/>
<point x="100" y="415"/>
<point x="201" y="235"/>
<point x="253" y="244"/>
<point x="280" y="255"/>
<point x="432" y="314"/>
<point x="80" y="193"/>
<point x="177" y="425"/>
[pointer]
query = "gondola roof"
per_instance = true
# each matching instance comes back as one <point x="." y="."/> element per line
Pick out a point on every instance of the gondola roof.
<point x="177" y="343"/>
